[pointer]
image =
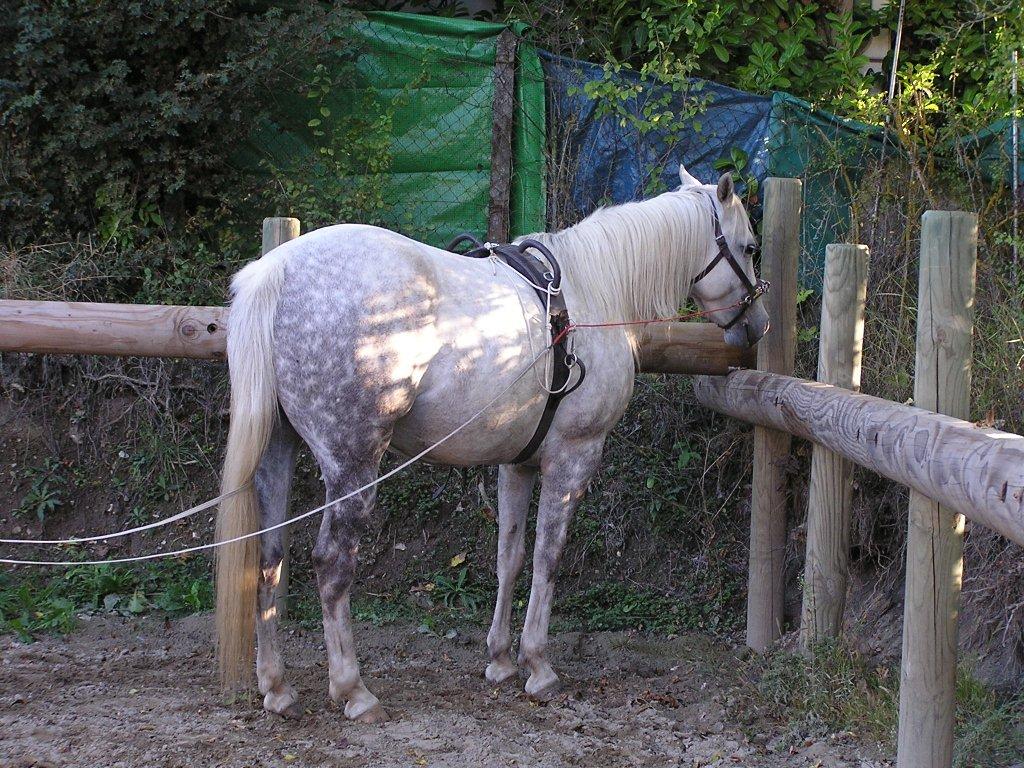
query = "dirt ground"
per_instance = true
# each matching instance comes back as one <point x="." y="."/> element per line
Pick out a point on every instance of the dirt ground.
<point x="121" y="692"/>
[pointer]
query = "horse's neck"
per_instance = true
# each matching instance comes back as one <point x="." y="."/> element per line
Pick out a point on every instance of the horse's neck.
<point x="634" y="261"/>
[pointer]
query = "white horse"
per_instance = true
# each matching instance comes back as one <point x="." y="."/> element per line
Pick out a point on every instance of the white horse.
<point x="355" y="339"/>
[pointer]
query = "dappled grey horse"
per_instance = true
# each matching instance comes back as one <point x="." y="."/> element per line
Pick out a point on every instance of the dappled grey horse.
<point x="355" y="339"/>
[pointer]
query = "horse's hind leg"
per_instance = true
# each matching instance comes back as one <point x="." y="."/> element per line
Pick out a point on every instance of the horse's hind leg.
<point x="273" y="484"/>
<point x="515" y="487"/>
<point x="334" y="557"/>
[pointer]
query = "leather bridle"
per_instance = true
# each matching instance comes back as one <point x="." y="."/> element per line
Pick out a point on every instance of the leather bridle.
<point x="754" y="290"/>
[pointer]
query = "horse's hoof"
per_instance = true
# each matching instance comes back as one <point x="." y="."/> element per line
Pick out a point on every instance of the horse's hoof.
<point x="498" y="672"/>
<point x="544" y="692"/>
<point x="285" y="703"/>
<point x="373" y="715"/>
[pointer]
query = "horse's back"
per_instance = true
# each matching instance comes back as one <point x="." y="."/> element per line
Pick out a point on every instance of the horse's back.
<point x="375" y="331"/>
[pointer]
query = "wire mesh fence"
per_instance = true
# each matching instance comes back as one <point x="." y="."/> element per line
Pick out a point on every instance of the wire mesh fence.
<point x="398" y="130"/>
<point x="424" y="88"/>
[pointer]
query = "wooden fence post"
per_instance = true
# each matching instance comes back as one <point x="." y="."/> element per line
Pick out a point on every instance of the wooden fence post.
<point x="942" y="383"/>
<point x="499" y="204"/>
<point x="277" y="230"/>
<point x="828" y="507"/>
<point x="780" y="249"/>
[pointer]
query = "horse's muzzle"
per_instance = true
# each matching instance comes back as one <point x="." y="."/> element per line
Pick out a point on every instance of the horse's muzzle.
<point x="749" y="331"/>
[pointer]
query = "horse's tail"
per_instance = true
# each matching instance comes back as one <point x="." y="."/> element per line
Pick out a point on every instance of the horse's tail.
<point x="255" y="291"/>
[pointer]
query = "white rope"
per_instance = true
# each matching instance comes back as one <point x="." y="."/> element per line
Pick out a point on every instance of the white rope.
<point x="367" y="486"/>
<point x="159" y="523"/>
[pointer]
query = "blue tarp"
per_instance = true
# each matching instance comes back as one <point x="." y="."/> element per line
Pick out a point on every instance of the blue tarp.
<point x="617" y="163"/>
<point x="777" y="135"/>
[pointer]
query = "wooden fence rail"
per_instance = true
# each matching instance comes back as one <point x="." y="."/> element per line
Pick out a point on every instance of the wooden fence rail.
<point x="143" y="330"/>
<point x="76" y="328"/>
<point x="976" y="471"/>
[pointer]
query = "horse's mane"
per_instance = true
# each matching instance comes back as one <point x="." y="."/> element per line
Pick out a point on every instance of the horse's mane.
<point x="637" y="260"/>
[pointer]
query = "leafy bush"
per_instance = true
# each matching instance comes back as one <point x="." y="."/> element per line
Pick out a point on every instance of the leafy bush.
<point x="111" y="114"/>
<point x="44" y="493"/>
<point x="27" y="608"/>
<point x="802" y="47"/>
<point x="805" y="48"/>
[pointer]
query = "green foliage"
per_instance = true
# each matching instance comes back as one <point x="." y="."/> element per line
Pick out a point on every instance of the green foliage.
<point x="459" y="593"/>
<point x="341" y="179"/>
<point x="118" y="129"/>
<point x="379" y="611"/>
<point x="802" y="47"/>
<point x="27" y="609"/>
<point x="32" y="605"/>
<point x="835" y="688"/>
<point x="616" y="606"/>
<point x="989" y="726"/>
<point x="45" y="493"/>
<point x="737" y="164"/>
<point x="414" y="493"/>
<point x="955" y="58"/>
<point x="963" y="51"/>
<point x="111" y="114"/>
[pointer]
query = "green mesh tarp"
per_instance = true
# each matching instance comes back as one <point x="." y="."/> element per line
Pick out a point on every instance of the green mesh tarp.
<point x="430" y="82"/>
<point x="992" y="149"/>
<point x="830" y="155"/>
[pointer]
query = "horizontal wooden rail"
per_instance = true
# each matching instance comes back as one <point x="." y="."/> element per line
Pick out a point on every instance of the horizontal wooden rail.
<point x="975" y="471"/>
<point x="69" y="328"/>
<point x="144" y="330"/>
<point x="694" y="348"/>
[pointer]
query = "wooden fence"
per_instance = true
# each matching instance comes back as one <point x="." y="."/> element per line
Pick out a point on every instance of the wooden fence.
<point x="954" y="468"/>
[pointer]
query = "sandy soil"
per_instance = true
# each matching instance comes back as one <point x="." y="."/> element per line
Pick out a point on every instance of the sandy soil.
<point x="123" y="692"/>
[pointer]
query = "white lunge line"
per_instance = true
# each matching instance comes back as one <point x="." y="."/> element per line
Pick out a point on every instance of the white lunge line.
<point x="103" y="536"/>
<point x="213" y="545"/>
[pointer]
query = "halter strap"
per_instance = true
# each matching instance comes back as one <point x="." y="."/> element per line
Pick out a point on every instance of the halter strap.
<point x="754" y="290"/>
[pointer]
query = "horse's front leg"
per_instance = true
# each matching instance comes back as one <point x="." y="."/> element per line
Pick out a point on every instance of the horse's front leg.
<point x="567" y="468"/>
<point x="515" y="487"/>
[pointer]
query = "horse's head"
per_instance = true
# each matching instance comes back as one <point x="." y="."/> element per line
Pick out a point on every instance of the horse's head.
<point x="726" y="286"/>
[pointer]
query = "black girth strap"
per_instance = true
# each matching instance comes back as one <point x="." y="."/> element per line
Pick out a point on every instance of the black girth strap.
<point x="546" y="279"/>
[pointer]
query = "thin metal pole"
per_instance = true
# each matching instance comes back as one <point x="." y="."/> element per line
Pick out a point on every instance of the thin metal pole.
<point x="888" y="114"/>
<point x="896" y="53"/>
<point x="1016" y="170"/>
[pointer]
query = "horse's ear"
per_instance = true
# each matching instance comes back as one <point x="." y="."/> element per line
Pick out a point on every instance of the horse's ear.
<point x="686" y="179"/>
<point x="725" y="187"/>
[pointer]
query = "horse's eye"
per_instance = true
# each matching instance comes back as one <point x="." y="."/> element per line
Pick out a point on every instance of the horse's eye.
<point x="751" y="249"/>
